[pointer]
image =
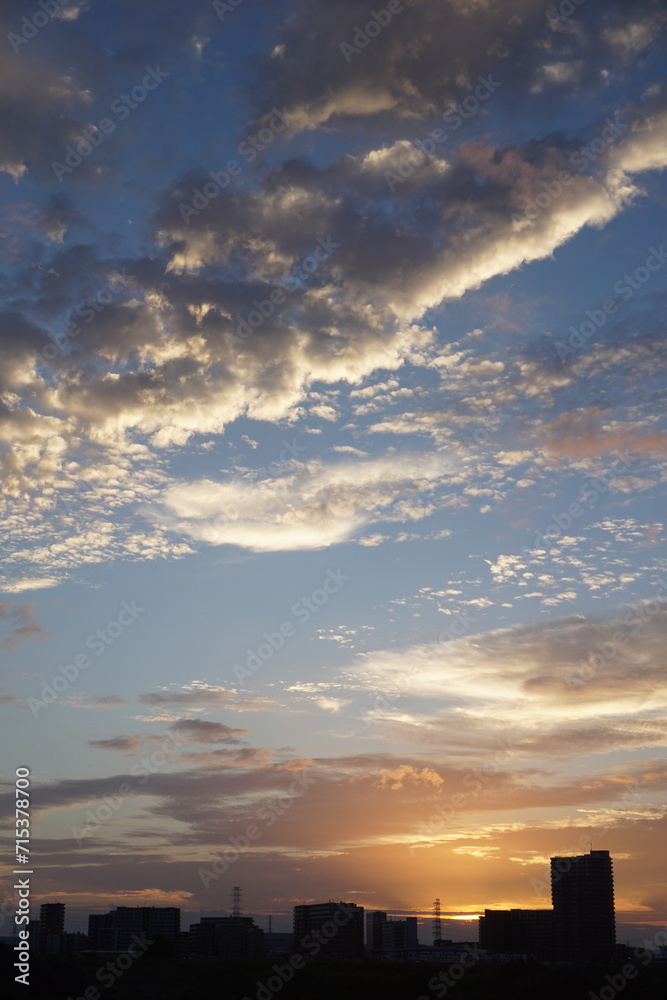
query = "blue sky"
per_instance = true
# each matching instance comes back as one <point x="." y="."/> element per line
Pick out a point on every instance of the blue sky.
<point x="394" y="382"/>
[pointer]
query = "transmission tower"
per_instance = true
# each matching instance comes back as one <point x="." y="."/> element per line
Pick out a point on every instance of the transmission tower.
<point x="437" y="923"/>
<point x="237" y="899"/>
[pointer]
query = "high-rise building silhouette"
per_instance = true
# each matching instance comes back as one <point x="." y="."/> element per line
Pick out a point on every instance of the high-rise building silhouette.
<point x="388" y="936"/>
<point x="51" y="937"/>
<point x="374" y="924"/>
<point x="582" y="893"/>
<point x="329" y="930"/>
<point x="232" y="936"/>
<point x="113" y="931"/>
<point x="521" y="932"/>
<point x="102" y="935"/>
<point x="399" y="936"/>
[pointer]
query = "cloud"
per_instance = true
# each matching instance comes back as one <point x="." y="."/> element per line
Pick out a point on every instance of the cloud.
<point x="371" y="541"/>
<point x="435" y="423"/>
<point x="333" y="705"/>
<point x="579" y="684"/>
<point x="195" y="731"/>
<point x="60" y="215"/>
<point x="117" y="743"/>
<point x="405" y="774"/>
<point x="580" y="434"/>
<point x="429" y="57"/>
<point x="644" y="148"/>
<point x="201" y="731"/>
<point x="313" y="507"/>
<point x="52" y="106"/>
<point x="98" y="701"/>
<point x="365" y="802"/>
<point x="201" y="696"/>
<point x="55" y="97"/>
<point x="325" y="413"/>
<point x="17" y="624"/>
<point x="382" y="256"/>
<point x="346" y="449"/>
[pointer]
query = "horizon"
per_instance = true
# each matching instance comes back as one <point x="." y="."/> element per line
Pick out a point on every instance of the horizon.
<point x="424" y="917"/>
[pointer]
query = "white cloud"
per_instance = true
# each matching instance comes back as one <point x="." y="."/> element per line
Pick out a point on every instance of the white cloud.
<point x="315" y="506"/>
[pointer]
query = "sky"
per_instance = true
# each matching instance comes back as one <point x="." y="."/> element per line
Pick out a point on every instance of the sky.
<point x="333" y="452"/>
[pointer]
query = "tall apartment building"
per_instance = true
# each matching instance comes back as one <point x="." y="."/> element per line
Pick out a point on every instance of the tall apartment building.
<point x="51" y="934"/>
<point x="102" y="934"/>
<point x="225" y="937"/>
<point x="582" y="893"/>
<point x="521" y="932"/>
<point x="329" y="930"/>
<point x="398" y="936"/>
<point x="113" y="931"/>
<point x="374" y="924"/>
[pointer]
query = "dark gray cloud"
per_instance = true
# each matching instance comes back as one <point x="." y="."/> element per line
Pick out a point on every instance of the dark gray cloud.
<point x="324" y="804"/>
<point x="117" y="743"/>
<point x="107" y="700"/>
<point x="430" y="53"/>
<point x="59" y="215"/>
<point x="65" y="75"/>
<point x="17" y="624"/>
<point x="201" y="731"/>
<point x="206" y="696"/>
